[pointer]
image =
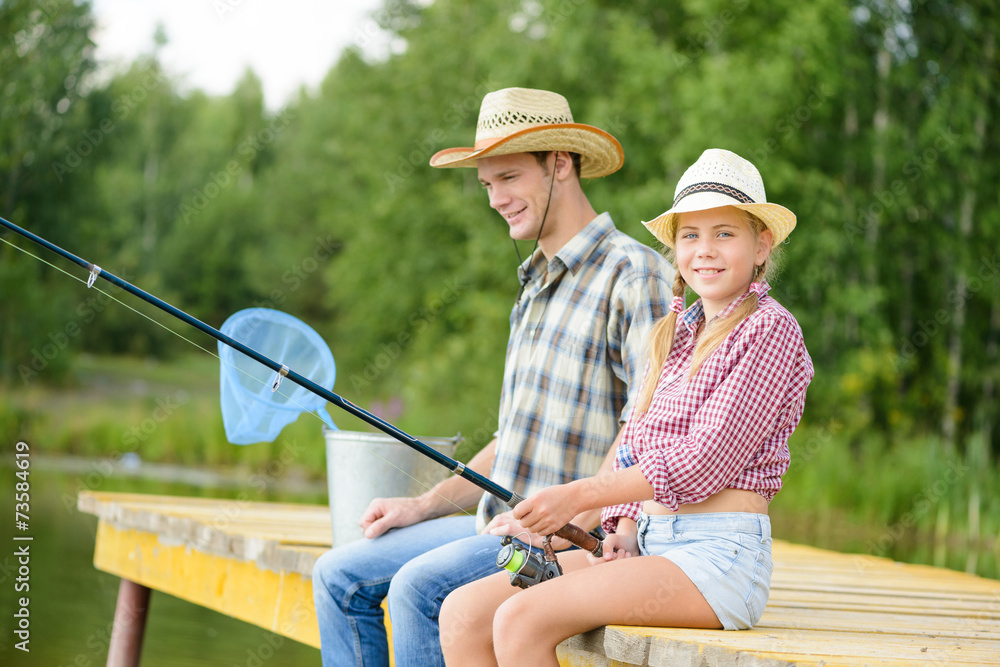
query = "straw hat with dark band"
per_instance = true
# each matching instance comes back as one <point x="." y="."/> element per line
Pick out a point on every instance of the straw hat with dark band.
<point x="722" y="178"/>
<point x="522" y="120"/>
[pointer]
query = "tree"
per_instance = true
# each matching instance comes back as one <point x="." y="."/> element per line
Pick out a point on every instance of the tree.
<point x="46" y="58"/>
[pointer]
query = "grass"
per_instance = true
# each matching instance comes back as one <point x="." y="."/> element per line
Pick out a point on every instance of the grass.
<point x="910" y="498"/>
<point x="163" y="411"/>
<point x="166" y="411"/>
<point x="869" y="495"/>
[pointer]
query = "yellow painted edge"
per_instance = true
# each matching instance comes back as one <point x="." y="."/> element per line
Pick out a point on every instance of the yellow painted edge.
<point x="279" y="602"/>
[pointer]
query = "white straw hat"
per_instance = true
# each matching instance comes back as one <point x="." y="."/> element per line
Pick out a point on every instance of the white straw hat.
<point x="522" y="120"/>
<point x="722" y="178"/>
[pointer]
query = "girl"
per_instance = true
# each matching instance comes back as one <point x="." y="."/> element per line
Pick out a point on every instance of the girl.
<point x="700" y="458"/>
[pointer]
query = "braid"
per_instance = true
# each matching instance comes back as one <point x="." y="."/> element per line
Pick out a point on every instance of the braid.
<point x="661" y="338"/>
<point x="661" y="341"/>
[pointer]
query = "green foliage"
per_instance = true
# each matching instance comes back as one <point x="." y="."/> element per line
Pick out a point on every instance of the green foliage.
<point x="904" y="489"/>
<point x="874" y="122"/>
<point x="46" y="56"/>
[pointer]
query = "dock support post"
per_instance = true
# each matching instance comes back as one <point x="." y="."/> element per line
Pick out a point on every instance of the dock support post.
<point x="129" y="626"/>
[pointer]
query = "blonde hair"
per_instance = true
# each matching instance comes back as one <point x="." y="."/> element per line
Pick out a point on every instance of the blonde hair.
<point x="661" y="338"/>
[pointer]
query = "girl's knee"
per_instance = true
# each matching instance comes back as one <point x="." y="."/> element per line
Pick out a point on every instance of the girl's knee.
<point x="463" y="624"/>
<point x="512" y="627"/>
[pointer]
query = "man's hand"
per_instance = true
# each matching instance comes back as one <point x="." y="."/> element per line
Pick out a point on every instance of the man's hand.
<point x="385" y="513"/>
<point x="453" y="494"/>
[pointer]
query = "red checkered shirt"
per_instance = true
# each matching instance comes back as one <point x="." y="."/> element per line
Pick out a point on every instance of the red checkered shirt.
<point x="728" y="427"/>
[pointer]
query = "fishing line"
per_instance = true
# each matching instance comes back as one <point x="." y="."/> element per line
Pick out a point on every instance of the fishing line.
<point x="90" y="285"/>
<point x="569" y="532"/>
<point x="525" y="562"/>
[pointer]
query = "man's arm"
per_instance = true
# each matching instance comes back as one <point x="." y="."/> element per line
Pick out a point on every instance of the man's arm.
<point x="451" y="495"/>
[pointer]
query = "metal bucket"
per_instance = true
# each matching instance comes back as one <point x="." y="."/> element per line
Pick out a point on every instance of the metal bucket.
<point x="363" y="466"/>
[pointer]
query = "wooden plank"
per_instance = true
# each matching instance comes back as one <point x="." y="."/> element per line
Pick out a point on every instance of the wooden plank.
<point x="931" y="582"/>
<point x="928" y="588"/>
<point x="617" y="645"/>
<point x="108" y="498"/>
<point x="879" y="622"/>
<point x="825" y="608"/>
<point x="210" y="522"/>
<point x="589" y="650"/>
<point x="220" y="527"/>
<point x="842" y="569"/>
<point x="670" y="646"/>
<point x="220" y="514"/>
<point x="866" y="602"/>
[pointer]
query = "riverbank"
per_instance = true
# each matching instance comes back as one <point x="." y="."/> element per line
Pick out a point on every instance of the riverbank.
<point x="119" y="418"/>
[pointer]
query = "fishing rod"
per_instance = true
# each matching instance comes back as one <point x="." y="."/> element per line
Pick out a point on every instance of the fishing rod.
<point x="523" y="566"/>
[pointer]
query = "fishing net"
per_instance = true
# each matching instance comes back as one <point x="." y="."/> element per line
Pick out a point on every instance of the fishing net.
<point x="256" y="403"/>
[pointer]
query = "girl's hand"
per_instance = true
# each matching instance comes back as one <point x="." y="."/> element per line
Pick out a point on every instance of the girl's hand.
<point x="623" y="543"/>
<point x="548" y="510"/>
<point x="616" y="547"/>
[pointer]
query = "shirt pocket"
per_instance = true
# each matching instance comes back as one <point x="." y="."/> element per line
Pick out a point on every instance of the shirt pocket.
<point x="575" y="360"/>
<point x="574" y="380"/>
<point x="580" y="348"/>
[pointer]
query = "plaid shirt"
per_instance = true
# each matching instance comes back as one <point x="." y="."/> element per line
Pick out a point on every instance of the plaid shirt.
<point x="728" y="427"/>
<point x="577" y="341"/>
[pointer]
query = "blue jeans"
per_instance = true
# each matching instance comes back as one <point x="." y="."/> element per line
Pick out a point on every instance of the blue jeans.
<point x="416" y="567"/>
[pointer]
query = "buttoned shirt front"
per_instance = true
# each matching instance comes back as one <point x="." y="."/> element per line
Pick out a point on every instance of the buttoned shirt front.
<point x="728" y="426"/>
<point x="577" y="341"/>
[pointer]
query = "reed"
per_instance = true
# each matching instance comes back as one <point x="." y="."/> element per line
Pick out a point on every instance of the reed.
<point x="909" y="485"/>
<point x="168" y="412"/>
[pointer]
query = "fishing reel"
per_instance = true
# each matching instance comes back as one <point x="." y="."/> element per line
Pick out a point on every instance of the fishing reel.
<point x="527" y="567"/>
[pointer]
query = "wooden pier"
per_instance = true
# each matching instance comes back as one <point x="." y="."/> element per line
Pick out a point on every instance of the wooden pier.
<point x="253" y="561"/>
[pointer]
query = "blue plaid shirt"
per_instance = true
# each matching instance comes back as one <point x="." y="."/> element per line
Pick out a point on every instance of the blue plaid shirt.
<point x="577" y="348"/>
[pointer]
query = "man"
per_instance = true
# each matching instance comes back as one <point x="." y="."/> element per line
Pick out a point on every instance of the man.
<point x="578" y="330"/>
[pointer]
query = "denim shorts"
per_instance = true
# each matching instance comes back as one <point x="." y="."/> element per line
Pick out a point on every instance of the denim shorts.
<point x="727" y="555"/>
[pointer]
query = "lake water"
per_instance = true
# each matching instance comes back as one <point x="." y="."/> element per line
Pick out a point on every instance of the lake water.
<point x="72" y="604"/>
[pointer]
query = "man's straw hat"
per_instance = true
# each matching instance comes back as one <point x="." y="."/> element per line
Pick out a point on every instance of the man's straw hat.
<point x="522" y="120"/>
<point x="722" y="178"/>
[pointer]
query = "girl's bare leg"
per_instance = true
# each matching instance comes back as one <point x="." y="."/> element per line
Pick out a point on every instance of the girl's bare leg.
<point x="466" y="620"/>
<point x="643" y="590"/>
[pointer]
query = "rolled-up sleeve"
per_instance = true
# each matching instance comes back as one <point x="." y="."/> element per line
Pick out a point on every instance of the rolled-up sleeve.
<point x="744" y="409"/>
<point x="610" y="515"/>
<point x="728" y="425"/>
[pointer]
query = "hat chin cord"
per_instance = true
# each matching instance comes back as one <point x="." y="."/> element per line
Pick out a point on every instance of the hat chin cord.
<point x="524" y="279"/>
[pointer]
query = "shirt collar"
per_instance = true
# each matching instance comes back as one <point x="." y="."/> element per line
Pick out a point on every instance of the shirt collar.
<point x="693" y="316"/>
<point x="531" y="268"/>
<point x="574" y="255"/>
